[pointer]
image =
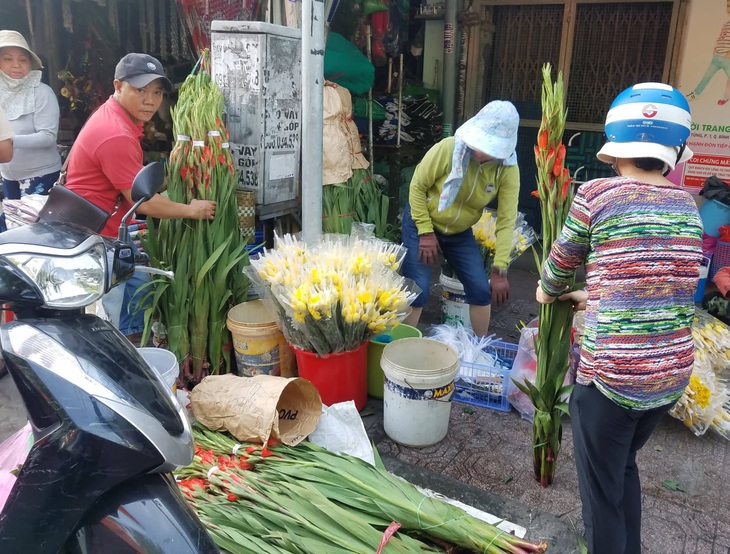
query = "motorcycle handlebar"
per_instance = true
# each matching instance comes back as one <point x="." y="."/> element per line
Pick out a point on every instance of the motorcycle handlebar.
<point x="155" y="271"/>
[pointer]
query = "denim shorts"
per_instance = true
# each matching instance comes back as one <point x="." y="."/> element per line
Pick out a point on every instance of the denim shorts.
<point x="34" y="185"/>
<point x="462" y="253"/>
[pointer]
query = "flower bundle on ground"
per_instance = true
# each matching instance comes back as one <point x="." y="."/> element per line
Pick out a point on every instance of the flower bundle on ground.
<point x="305" y="499"/>
<point x="485" y="233"/>
<point x="207" y="256"/>
<point x="552" y="344"/>
<point x="333" y="296"/>
<point x="705" y="403"/>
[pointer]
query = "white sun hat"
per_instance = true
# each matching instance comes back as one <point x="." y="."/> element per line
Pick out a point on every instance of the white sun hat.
<point x="14" y="38"/>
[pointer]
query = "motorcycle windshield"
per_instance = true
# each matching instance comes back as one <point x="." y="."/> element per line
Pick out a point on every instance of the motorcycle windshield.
<point x="108" y="358"/>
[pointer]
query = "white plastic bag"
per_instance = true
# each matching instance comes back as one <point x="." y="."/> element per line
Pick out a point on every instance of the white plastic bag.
<point x="340" y="429"/>
<point x="525" y="367"/>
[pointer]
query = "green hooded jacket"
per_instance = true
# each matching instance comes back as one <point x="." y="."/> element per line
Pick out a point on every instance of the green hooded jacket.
<point x="482" y="184"/>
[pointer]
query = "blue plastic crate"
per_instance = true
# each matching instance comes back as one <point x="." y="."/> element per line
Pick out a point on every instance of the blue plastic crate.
<point x="485" y="385"/>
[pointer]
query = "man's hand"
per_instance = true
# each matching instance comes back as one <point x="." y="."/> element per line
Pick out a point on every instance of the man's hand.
<point x="202" y="209"/>
<point x="500" y="288"/>
<point x="428" y="249"/>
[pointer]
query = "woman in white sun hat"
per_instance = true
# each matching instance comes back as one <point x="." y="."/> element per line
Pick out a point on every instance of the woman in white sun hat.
<point x="640" y="238"/>
<point x="33" y="112"/>
<point x="451" y="186"/>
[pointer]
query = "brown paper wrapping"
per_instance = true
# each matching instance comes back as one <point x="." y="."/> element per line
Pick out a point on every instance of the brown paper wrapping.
<point x="254" y="409"/>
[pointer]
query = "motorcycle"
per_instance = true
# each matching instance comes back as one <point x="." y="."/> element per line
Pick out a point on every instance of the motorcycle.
<point x="107" y="430"/>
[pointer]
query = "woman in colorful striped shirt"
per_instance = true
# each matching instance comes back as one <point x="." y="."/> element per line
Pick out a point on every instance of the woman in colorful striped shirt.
<point x="640" y="237"/>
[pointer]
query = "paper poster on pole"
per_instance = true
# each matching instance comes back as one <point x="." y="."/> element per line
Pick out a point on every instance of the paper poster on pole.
<point x="705" y="81"/>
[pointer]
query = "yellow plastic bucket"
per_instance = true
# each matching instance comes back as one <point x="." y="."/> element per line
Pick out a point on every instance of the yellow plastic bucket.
<point x="258" y="342"/>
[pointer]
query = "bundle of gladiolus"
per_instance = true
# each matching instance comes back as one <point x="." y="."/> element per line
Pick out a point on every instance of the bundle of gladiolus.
<point x="485" y="233"/>
<point x="705" y="403"/>
<point x="206" y="256"/>
<point x="335" y="295"/>
<point x="304" y="499"/>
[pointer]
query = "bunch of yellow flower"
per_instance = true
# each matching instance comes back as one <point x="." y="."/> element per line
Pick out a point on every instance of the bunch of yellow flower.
<point x="333" y="296"/>
<point x="485" y="233"/>
<point x="706" y="400"/>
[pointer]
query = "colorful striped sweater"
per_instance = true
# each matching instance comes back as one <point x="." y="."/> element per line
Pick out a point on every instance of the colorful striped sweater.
<point x="642" y="246"/>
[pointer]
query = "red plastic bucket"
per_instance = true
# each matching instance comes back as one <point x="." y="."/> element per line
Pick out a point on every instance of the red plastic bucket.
<point x="338" y="377"/>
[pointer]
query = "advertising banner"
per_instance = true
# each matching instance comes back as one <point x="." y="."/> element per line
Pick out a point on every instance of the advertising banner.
<point x="705" y="80"/>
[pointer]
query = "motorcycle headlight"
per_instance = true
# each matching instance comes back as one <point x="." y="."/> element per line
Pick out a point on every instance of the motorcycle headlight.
<point x="66" y="281"/>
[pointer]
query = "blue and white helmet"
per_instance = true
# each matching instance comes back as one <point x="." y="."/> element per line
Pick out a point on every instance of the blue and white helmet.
<point x="648" y="120"/>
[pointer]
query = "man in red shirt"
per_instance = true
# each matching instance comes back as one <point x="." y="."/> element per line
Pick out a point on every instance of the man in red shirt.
<point x="106" y="157"/>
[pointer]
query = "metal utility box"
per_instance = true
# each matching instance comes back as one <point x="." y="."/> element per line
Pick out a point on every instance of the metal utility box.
<point x="258" y="68"/>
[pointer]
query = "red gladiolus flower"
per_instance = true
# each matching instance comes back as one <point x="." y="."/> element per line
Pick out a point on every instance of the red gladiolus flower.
<point x="207" y="456"/>
<point x="232" y="497"/>
<point x="536" y="194"/>
<point x="184" y="171"/>
<point x="221" y="159"/>
<point x="537" y="152"/>
<point x="561" y="153"/>
<point x="542" y="140"/>
<point x="265" y="453"/>
<point x="250" y="449"/>
<point x="243" y="464"/>
<point x="566" y="185"/>
<point x="558" y="168"/>
<point x="236" y="478"/>
<point x="206" y="152"/>
<point x="271" y="442"/>
<point x="230" y="169"/>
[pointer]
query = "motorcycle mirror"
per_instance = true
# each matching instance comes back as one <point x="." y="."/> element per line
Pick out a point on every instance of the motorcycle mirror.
<point x="148" y="181"/>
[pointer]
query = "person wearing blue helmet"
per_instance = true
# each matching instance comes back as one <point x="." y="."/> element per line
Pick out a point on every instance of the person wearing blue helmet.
<point x="640" y="238"/>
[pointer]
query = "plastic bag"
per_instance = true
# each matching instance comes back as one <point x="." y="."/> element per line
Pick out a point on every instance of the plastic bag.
<point x="14" y="450"/>
<point x="340" y="429"/>
<point x="525" y="367"/>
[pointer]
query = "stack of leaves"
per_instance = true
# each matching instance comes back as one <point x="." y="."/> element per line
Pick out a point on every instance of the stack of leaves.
<point x="552" y="344"/>
<point x="359" y="199"/>
<point x="207" y="256"/>
<point x="305" y="499"/>
<point x="333" y="296"/>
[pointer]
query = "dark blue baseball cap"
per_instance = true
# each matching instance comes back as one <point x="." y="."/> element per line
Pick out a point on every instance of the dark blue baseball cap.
<point x="139" y="70"/>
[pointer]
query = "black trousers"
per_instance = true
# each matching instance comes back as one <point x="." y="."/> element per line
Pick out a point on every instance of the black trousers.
<point x="606" y="438"/>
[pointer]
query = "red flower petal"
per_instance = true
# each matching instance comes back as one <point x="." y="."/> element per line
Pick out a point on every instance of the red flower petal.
<point x="232" y="497"/>
<point x="250" y="449"/>
<point x="265" y="453"/>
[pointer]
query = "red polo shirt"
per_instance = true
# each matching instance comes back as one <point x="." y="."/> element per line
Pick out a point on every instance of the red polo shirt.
<point x="104" y="160"/>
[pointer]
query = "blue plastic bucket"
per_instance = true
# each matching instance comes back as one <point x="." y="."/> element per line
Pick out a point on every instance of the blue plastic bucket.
<point x="714" y="215"/>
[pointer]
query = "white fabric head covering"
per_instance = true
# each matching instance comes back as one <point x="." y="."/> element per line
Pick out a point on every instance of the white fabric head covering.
<point x="17" y="96"/>
<point x="493" y="131"/>
<point x="629" y="150"/>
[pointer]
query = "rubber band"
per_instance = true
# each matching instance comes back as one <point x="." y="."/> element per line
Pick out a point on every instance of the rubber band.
<point x="501" y="532"/>
<point x="211" y="471"/>
<point x="235" y="449"/>
<point x="214" y="133"/>
<point x="198" y="143"/>
<point x="224" y="145"/>
<point x="183" y="138"/>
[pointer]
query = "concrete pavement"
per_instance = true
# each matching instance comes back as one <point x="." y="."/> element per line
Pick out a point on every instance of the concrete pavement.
<point x="485" y="461"/>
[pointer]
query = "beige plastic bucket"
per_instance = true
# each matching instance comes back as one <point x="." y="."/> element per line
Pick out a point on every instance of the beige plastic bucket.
<point x="419" y="386"/>
<point x="259" y="343"/>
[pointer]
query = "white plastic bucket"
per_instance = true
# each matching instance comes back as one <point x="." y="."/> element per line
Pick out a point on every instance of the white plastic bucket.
<point x="419" y="386"/>
<point x="164" y="363"/>
<point x="454" y="308"/>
